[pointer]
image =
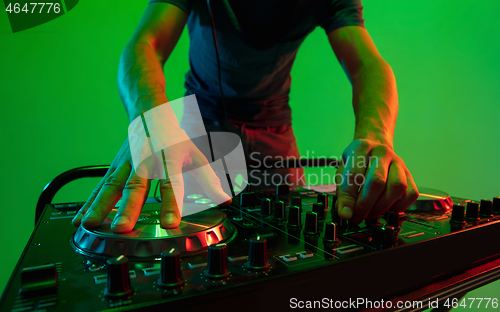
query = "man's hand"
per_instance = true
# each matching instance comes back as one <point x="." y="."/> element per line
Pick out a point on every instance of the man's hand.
<point x="121" y="181"/>
<point x="372" y="179"/>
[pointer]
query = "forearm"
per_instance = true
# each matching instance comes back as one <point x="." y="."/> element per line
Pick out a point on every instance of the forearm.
<point x="141" y="81"/>
<point x="375" y="102"/>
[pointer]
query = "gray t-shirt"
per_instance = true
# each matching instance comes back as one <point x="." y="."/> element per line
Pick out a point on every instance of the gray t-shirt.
<point x="258" y="41"/>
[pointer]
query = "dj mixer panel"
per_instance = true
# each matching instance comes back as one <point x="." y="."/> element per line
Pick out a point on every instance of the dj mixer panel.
<point x="257" y="253"/>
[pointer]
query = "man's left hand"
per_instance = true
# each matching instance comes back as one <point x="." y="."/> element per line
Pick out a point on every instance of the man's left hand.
<point x="372" y="179"/>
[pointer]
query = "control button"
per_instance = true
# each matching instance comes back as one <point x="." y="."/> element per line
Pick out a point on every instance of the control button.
<point x="257" y="254"/>
<point x="203" y="201"/>
<point x="496" y="205"/>
<point x="486" y="208"/>
<point x="217" y="261"/>
<point x="265" y="207"/>
<point x="319" y="209"/>
<point x="323" y="198"/>
<point x="95" y="267"/>
<point x="458" y="214"/>
<point x="413" y="234"/>
<point x="350" y="250"/>
<point x="306" y="255"/>
<point x="170" y="272"/>
<point x="311" y="226"/>
<point x="331" y="233"/>
<point x="194" y="196"/>
<point x="472" y="212"/>
<point x="279" y="210"/>
<point x="294" y="217"/>
<point x="39" y="280"/>
<point x="288" y="258"/>
<point x="118" y="281"/>
<point x="247" y="200"/>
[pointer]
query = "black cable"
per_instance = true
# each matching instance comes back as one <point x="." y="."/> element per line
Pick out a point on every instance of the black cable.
<point x="218" y="66"/>
<point x="156" y="189"/>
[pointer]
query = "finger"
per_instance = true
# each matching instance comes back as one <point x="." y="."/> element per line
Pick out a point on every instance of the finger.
<point x="108" y="196"/>
<point x="409" y="197"/>
<point x="209" y="181"/>
<point x="172" y="194"/>
<point x="134" y="195"/>
<point x="396" y="187"/>
<point x="83" y="210"/>
<point x="352" y="178"/>
<point x="373" y="187"/>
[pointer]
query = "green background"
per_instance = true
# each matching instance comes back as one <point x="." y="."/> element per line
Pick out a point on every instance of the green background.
<point x="60" y="107"/>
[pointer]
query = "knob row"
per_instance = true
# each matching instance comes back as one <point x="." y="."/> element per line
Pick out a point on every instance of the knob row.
<point x="475" y="210"/>
<point x="118" y="278"/>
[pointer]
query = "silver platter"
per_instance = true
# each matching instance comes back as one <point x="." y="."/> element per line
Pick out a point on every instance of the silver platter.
<point x="148" y="239"/>
<point x="431" y="200"/>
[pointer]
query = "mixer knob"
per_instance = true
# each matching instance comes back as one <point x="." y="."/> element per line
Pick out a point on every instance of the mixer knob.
<point x="323" y="198"/>
<point x="334" y="201"/>
<point x="496" y="205"/>
<point x="331" y="233"/>
<point x="265" y="207"/>
<point x="118" y="282"/>
<point x="472" y="212"/>
<point x="296" y="202"/>
<point x="217" y="261"/>
<point x="458" y="214"/>
<point x="319" y="209"/>
<point x="341" y="223"/>
<point x="486" y="208"/>
<point x="282" y="189"/>
<point x="394" y="219"/>
<point x="170" y="272"/>
<point x="311" y="226"/>
<point x="279" y="210"/>
<point x="38" y="280"/>
<point x="247" y="200"/>
<point x="257" y="254"/>
<point x="372" y="222"/>
<point x="383" y="236"/>
<point x="294" y="216"/>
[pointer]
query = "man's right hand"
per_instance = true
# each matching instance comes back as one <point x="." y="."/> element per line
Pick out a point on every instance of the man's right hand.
<point x="121" y="181"/>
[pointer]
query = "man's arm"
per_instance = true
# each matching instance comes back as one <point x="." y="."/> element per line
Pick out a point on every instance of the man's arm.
<point x="142" y="87"/>
<point x="141" y="79"/>
<point x="387" y="181"/>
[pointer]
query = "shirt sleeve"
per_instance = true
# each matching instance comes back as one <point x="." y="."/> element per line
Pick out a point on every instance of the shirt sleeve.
<point x="339" y="13"/>
<point x="184" y="5"/>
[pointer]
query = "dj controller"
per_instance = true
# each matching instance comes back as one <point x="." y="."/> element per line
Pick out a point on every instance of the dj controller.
<point x="260" y="253"/>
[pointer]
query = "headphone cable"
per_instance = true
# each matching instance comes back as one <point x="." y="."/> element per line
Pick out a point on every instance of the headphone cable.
<point x="218" y="67"/>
